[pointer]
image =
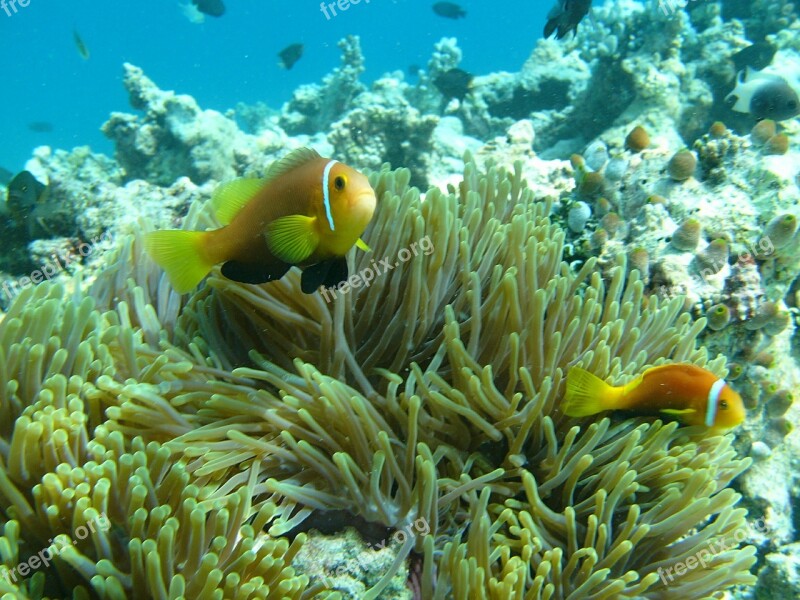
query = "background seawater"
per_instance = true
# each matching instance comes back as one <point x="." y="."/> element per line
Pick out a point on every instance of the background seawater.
<point x="223" y="60"/>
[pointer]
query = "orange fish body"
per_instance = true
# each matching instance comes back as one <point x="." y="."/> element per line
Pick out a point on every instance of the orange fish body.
<point x="687" y="392"/>
<point x="307" y="211"/>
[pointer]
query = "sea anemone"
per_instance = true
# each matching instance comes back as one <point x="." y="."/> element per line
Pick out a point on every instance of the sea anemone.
<point x="611" y="222"/>
<point x="777" y="144"/>
<point x="639" y="259"/>
<point x="766" y="312"/>
<point x="713" y="257"/>
<point x="598" y="239"/>
<point x="687" y="235"/>
<point x="718" y="317"/>
<point x="638" y="139"/>
<point x="779" y="403"/>
<point x="780" y="231"/>
<point x="591" y="184"/>
<point x="577" y="216"/>
<point x="209" y="428"/>
<point x="682" y="165"/>
<point x="718" y="130"/>
<point x="763" y="131"/>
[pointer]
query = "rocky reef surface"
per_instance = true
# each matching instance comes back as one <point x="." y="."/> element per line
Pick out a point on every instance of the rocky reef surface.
<point x="624" y="130"/>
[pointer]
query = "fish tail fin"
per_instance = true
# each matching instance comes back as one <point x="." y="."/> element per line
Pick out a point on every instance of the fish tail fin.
<point x="182" y="256"/>
<point x="586" y="394"/>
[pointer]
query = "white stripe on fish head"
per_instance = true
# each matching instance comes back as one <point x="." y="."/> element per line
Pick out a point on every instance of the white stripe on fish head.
<point x="713" y="399"/>
<point x="326" y="196"/>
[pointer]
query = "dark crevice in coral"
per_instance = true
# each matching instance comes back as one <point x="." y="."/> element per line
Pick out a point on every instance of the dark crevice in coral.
<point x="332" y="522"/>
<point x="554" y="94"/>
<point x="608" y="95"/>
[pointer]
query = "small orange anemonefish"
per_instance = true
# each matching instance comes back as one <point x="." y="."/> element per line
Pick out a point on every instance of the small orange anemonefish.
<point x="306" y="211"/>
<point x="686" y="392"/>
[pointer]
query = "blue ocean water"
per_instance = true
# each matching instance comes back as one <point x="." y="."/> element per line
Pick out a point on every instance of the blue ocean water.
<point x="222" y="61"/>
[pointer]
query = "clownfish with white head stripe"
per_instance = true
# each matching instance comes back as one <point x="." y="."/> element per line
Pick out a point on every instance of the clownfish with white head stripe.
<point x="307" y="211"/>
<point x="685" y="392"/>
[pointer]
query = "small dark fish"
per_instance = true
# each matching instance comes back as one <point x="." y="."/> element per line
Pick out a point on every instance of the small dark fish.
<point x="758" y="56"/>
<point x="5" y="176"/>
<point x="290" y="55"/>
<point x="449" y="10"/>
<point x="454" y="83"/>
<point x="212" y="8"/>
<point x="565" y="16"/>
<point x="413" y="70"/>
<point x="80" y="45"/>
<point x="40" y="127"/>
<point x="24" y="193"/>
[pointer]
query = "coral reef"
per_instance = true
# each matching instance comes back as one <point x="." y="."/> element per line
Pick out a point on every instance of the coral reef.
<point x="175" y="138"/>
<point x="314" y="108"/>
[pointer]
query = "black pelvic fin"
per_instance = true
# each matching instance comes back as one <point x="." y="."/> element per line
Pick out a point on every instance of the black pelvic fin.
<point x="329" y="273"/>
<point x="254" y="273"/>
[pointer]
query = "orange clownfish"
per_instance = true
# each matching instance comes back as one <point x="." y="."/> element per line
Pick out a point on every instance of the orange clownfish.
<point x="306" y="211"/>
<point x="688" y="393"/>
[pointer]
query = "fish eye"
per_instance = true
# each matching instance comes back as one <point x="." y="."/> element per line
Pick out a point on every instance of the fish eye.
<point x="723" y="404"/>
<point x="338" y="183"/>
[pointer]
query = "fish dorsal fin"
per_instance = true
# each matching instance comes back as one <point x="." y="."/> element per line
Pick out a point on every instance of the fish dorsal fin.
<point x="291" y="161"/>
<point x="231" y="197"/>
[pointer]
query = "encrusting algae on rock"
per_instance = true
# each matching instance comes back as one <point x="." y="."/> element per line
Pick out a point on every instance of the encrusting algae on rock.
<point x="436" y="393"/>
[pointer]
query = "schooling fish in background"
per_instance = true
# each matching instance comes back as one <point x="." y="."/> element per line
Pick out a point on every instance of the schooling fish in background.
<point x="290" y="55"/>
<point x="685" y="392"/>
<point x="454" y="83"/>
<point x="40" y="126"/>
<point x="565" y="16"/>
<point x="449" y="10"/>
<point x="766" y="95"/>
<point x="80" y="45"/>
<point x="307" y="211"/>
<point x="212" y="8"/>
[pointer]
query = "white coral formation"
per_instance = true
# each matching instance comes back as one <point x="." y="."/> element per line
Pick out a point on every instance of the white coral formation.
<point x="175" y="137"/>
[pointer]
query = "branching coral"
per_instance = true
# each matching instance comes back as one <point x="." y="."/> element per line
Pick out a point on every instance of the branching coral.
<point x="206" y="431"/>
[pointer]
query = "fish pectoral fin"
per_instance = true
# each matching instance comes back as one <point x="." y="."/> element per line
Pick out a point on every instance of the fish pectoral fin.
<point x="253" y="273"/>
<point x="232" y="196"/>
<point x="292" y="239"/>
<point x="362" y="245"/>
<point x="677" y="412"/>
